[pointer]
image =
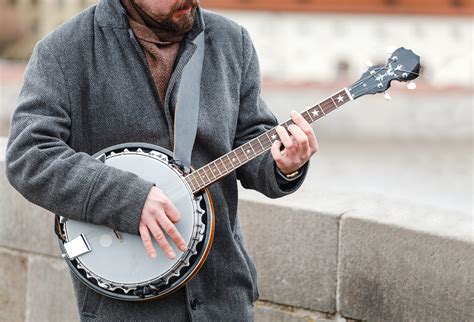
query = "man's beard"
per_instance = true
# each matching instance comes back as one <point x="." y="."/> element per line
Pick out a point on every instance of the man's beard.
<point x="183" y="23"/>
<point x="180" y="25"/>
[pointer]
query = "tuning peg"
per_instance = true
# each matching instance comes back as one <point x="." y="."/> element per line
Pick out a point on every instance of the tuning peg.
<point x="411" y="85"/>
<point x="387" y="96"/>
<point x="368" y="63"/>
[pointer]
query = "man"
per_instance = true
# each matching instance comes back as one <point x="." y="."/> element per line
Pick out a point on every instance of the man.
<point x="110" y="75"/>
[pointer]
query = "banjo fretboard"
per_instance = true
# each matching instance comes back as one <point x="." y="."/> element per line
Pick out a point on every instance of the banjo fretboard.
<point x="219" y="168"/>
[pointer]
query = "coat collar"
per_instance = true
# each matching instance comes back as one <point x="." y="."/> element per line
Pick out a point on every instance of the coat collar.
<point x="110" y="13"/>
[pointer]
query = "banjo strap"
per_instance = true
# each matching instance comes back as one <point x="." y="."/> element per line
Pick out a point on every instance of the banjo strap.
<point x="187" y="102"/>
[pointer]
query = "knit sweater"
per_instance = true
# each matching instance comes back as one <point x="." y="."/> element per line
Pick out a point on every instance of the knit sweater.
<point x="160" y="49"/>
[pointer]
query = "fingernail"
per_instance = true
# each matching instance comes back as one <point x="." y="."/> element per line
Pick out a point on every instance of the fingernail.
<point x="183" y="248"/>
<point x="152" y="255"/>
<point x="171" y="254"/>
<point x="294" y="113"/>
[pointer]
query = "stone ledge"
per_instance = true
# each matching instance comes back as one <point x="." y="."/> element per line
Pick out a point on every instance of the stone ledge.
<point x="390" y="269"/>
<point x="295" y="252"/>
<point x="24" y="226"/>
<point x="38" y="288"/>
<point x="396" y="260"/>
<point x="50" y="276"/>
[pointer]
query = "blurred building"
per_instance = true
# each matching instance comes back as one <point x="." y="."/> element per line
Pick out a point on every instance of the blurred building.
<point x="45" y="15"/>
<point x="35" y="18"/>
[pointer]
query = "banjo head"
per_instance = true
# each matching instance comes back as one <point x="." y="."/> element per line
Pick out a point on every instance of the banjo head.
<point x="116" y="263"/>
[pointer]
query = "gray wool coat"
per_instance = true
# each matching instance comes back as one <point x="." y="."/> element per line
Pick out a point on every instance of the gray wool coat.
<point x="87" y="86"/>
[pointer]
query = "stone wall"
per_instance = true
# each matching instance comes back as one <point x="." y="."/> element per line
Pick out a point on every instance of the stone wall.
<point x="338" y="257"/>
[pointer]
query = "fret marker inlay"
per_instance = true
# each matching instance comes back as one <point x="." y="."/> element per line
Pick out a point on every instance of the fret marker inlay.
<point x="315" y="113"/>
<point x="340" y="98"/>
<point x="274" y="137"/>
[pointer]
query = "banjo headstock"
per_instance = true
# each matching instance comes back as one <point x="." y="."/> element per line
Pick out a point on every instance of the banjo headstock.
<point x="403" y="66"/>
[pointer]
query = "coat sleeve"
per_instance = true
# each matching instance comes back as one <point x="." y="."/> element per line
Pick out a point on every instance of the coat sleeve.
<point x="48" y="172"/>
<point x="254" y="119"/>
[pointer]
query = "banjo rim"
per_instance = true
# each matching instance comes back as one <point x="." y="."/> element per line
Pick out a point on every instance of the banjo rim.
<point x="182" y="280"/>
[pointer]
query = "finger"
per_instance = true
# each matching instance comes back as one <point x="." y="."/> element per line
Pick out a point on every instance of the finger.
<point x="314" y="145"/>
<point x="145" y="235"/>
<point x="276" y="153"/>
<point x="285" y="138"/>
<point x="302" y="141"/>
<point x="161" y="239"/>
<point x="172" y="212"/>
<point x="307" y="129"/>
<point x="171" y="231"/>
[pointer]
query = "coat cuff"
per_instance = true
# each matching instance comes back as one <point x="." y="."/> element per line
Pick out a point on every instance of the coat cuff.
<point x="290" y="185"/>
<point x="117" y="201"/>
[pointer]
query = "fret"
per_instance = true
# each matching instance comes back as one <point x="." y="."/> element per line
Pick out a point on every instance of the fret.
<point x="307" y="116"/>
<point x="266" y="140"/>
<point x="321" y="109"/>
<point x="249" y="151"/>
<point x="227" y="163"/>
<point x="190" y="182"/>
<point x="287" y="124"/>
<point x="225" y="159"/>
<point x="273" y="135"/>
<point x="244" y="153"/>
<point x="234" y="159"/>
<point x="268" y="137"/>
<point x="256" y="146"/>
<point x="204" y="176"/>
<point x="333" y="102"/>
<point x="314" y="112"/>
<point x="340" y="98"/>
<point x="325" y="104"/>
<point x="217" y="167"/>
<point x="198" y="176"/>
<point x="193" y="180"/>
<point x="241" y="155"/>
<point x="210" y="172"/>
<point x="258" y="140"/>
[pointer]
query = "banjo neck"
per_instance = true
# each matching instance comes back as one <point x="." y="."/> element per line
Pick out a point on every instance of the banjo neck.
<point x="219" y="168"/>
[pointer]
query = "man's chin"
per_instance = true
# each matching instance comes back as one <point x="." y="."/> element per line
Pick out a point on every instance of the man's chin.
<point x="184" y="21"/>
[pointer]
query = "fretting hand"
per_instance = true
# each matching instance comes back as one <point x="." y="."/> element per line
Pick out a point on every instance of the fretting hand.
<point x="300" y="144"/>
<point x="158" y="217"/>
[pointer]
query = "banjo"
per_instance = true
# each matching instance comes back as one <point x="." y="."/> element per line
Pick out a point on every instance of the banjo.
<point x="116" y="264"/>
